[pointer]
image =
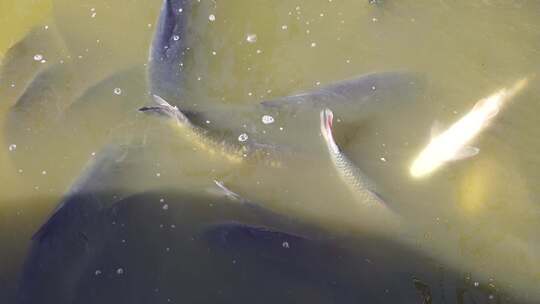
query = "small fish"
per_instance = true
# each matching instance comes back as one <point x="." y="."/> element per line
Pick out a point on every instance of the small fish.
<point x="349" y="173"/>
<point x="453" y="143"/>
<point x="202" y="138"/>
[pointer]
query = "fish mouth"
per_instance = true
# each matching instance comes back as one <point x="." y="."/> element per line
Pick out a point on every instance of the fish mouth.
<point x="327" y="120"/>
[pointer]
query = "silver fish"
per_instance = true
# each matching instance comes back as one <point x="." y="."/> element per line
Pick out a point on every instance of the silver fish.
<point x="355" y="180"/>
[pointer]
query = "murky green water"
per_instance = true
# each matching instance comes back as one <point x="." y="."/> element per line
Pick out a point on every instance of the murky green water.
<point x="478" y="217"/>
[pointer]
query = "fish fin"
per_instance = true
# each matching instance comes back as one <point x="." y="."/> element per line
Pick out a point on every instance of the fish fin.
<point x="163" y="108"/>
<point x="466" y="152"/>
<point x="436" y="128"/>
<point x="223" y="190"/>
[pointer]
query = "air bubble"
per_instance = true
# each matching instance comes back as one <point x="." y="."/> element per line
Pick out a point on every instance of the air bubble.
<point x="243" y="137"/>
<point x="119" y="271"/>
<point x="285" y="245"/>
<point x="251" y="38"/>
<point x="38" y="57"/>
<point x="117" y="91"/>
<point x="165" y="207"/>
<point x="267" y="119"/>
<point x="212" y="17"/>
<point x="12" y="147"/>
<point x="176" y="37"/>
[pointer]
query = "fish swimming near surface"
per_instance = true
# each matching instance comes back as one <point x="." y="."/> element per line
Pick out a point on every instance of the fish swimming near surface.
<point x="106" y="244"/>
<point x="232" y="151"/>
<point x="453" y="143"/>
<point x="357" y="182"/>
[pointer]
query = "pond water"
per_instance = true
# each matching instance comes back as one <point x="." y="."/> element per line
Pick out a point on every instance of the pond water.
<point x="74" y="74"/>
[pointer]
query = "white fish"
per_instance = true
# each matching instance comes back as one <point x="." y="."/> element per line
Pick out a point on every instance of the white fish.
<point x="453" y="143"/>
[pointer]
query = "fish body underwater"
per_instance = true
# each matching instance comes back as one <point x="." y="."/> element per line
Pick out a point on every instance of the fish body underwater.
<point x="453" y="143"/>
<point x="110" y="243"/>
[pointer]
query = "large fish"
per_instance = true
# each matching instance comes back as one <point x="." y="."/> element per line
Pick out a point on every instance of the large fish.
<point x="453" y="143"/>
<point x="275" y="122"/>
<point x="107" y="243"/>
<point x="232" y="151"/>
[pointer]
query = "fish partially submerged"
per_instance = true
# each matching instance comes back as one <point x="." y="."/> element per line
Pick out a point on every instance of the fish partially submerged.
<point x="107" y="245"/>
<point x="453" y="143"/>
<point x="232" y="151"/>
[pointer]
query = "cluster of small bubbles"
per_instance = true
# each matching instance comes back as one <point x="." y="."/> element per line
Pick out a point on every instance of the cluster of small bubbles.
<point x="285" y="244"/>
<point x="476" y="284"/>
<point x="212" y="17"/>
<point x="251" y="38"/>
<point x="243" y="137"/>
<point x="284" y="27"/>
<point x="267" y="119"/>
<point x="117" y="91"/>
<point x="176" y="37"/>
<point x="40" y="58"/>
<point x="383" y="159"/>
<point x="12" y="147"/>
<point x="93" y="12"/>
<point x="97" y="272"/>
<point x="165" y="207"/>
<point x="119" y="271"/>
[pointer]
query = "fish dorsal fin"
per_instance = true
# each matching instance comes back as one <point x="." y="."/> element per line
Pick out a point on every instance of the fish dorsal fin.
<point x="466" y="152"/>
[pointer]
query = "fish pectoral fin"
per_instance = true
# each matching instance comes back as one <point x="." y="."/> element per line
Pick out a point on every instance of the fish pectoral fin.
<point x="162" y="108"/>
<point x="436" y="128"/>
<point x="222" y="190"/>
<point x="466" y="152"/>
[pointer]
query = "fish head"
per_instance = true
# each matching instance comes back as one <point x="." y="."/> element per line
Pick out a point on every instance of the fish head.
<point x="327" y="119"/>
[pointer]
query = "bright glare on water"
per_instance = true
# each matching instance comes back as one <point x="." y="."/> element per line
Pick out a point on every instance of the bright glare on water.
<point x="74" y="73"/>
